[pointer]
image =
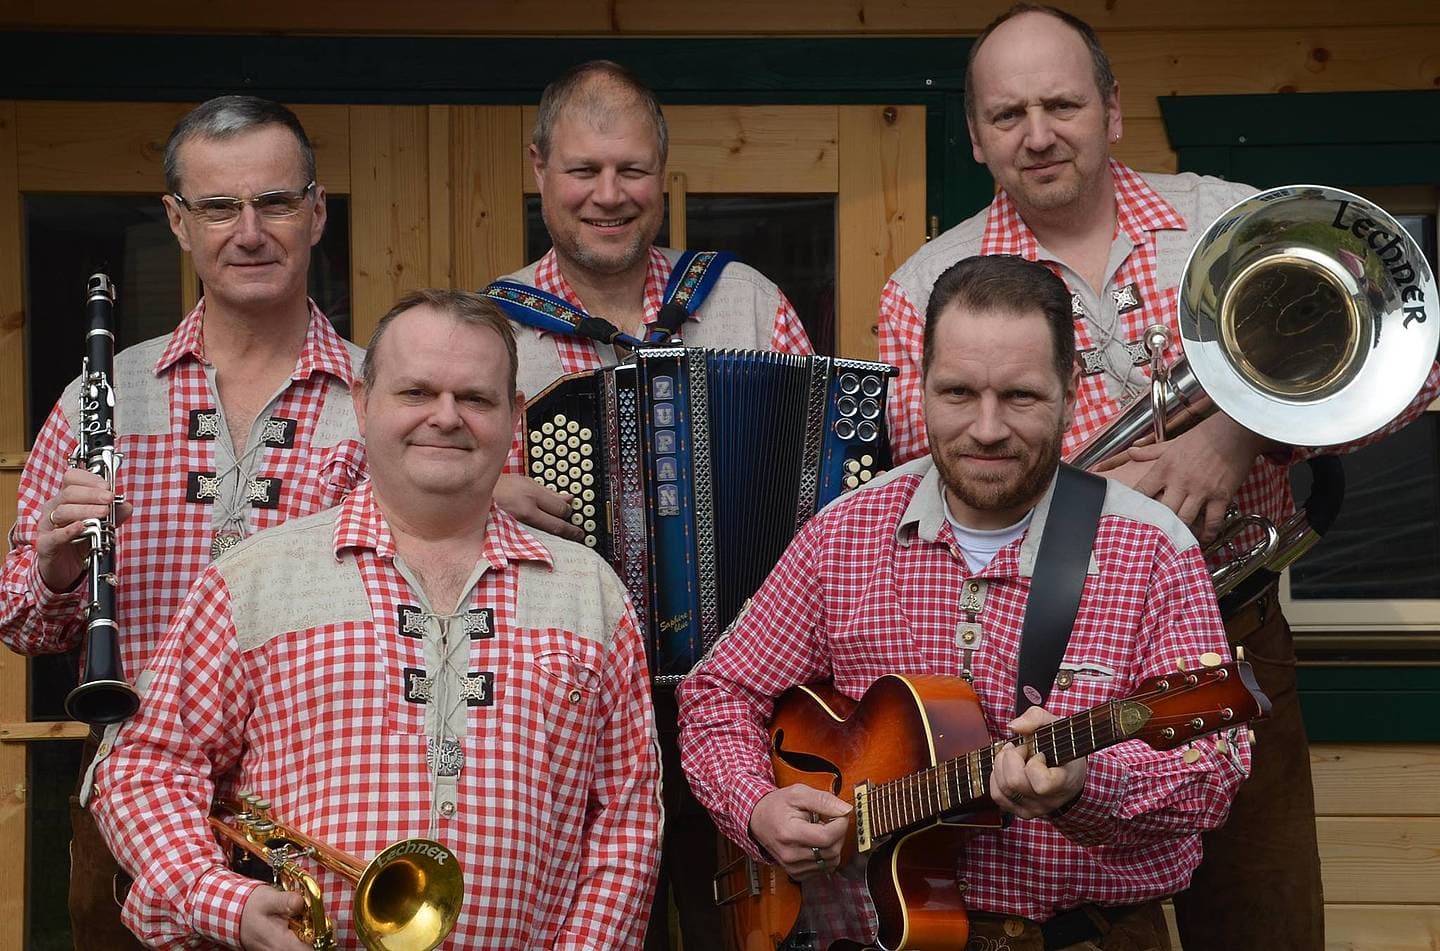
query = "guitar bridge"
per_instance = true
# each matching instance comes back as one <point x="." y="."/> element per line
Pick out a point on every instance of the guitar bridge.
<point x="863" y="838"/>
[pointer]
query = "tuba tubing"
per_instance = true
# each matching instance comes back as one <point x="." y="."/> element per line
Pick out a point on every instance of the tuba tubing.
<point x="407" y="898"/>
<point x="1309" y="316"/>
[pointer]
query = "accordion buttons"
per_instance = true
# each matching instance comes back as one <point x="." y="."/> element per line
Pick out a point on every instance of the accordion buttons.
<point x="589" y="525"/>
<point x="870" y="409"/>
<point x="586" y="449"/>
<point x="587" y="479"/>
<point x="844" y="429"/>
<point x="866" y="475"/>
<point x="846" y="406"/>
<point x="575" y="504"/>
<point x="852" y="466"/>
<point x="588" y="495"/>
<point x="590" y="540"/>
<point x="547" y="428"/>
<point x="849" y="383"/>
<point x="572" y="426"/>
<point x="851" y="481"/>
<point x="586" y="434"/>
<point x="577" y="519"/>
<point x="559" y="421"/>
<point x="867" y="430"/>
<point x="536" y="436"/>
<point x="871" y="386"/>
<point x="867" y="460"/>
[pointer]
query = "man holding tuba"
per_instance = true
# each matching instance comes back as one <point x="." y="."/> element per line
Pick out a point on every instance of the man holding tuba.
<point x="1043" y="111"/>
<point x="235" y="422"/>
<point x="412" y="662"/>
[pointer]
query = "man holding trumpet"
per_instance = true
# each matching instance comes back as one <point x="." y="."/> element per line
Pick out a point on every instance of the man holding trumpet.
<point x="411" y="662"/>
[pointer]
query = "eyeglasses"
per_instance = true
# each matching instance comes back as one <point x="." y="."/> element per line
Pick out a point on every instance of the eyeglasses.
<point x="222" y="209"/>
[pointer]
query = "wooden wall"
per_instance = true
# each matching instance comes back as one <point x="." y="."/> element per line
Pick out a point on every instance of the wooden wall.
<point x="1379" y="803"/>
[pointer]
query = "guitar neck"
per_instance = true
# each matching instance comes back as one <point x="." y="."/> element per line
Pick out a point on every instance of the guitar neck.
<point x="958" y="784"/>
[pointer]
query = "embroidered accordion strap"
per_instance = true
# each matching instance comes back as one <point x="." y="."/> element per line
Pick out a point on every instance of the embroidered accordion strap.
<point x="691" y="281"/>
<point x="534" y="308"/>
<point x="1060" y="568"/>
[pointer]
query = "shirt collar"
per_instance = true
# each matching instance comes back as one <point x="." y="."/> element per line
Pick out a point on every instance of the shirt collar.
<point x="924" y="519"/>
<point x="657" y="274"/>
<point x="362" y="525"/>
<point x="323" y="351"/>
<point x="1139" y="209"/>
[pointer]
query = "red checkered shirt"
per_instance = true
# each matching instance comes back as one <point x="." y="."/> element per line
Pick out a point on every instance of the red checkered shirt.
<point x="160" y="387"/>
<point x="873" y="585"/>
<point x="579" y="354"/>
<point x="1141" y="214"/>
<point x="554" y="813"/>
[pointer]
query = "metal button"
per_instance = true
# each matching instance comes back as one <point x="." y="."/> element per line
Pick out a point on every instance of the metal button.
<point x="1014" y="927"/>
<point x="1064" y="679"/>
<point x="575" y="694"/>
<point x="447" y="808"/>
<point x="968" y="637"/>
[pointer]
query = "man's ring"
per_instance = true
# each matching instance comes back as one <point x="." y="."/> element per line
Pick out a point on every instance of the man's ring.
<point x="819" y="859"/>
<point x="1017" y="799"/>
<point x="53" y="523"/>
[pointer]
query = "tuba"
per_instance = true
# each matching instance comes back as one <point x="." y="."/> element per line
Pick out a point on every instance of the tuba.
<point x="406" y="899"/>
<point x="1309" y="316"/>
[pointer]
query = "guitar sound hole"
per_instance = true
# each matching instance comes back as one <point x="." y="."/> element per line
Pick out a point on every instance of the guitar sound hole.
<point x="807" y="762"/>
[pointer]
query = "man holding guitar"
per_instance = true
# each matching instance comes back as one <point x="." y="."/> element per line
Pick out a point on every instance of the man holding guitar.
<point x="929" y="572"/>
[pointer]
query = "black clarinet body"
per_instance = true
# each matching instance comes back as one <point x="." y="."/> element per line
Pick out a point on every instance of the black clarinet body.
<point x="103" y="695"/>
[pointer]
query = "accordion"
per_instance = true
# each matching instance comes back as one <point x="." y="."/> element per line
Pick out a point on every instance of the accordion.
<point x="690" y="471"/>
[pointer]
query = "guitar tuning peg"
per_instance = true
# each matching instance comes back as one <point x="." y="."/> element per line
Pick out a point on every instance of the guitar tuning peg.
<point x="1210" y="659"/>
<point x="1221" y="746"/>
<point x="1180" y="665"/>
<point x="1250" y="734"/>
<point x="1239" y="651"/>
<point x="1192" y="756"/>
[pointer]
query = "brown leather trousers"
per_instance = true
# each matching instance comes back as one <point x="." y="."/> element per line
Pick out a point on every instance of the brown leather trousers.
<point x="1141" y="928"/>
<point x="1258" y="885"/>
<point x="94" y="896"/>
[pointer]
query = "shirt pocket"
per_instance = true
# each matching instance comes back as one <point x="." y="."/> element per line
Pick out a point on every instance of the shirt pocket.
<point x="559" y="687"/>
<point x="1080" y="685"/>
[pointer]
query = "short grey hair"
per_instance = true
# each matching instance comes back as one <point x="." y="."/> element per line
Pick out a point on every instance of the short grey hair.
<point x="476" y="310"/>
<point x="225" y="117"/>
<point x="584" y="87"/>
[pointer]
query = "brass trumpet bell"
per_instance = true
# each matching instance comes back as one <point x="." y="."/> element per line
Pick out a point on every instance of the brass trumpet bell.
<point x="407" y="898"/>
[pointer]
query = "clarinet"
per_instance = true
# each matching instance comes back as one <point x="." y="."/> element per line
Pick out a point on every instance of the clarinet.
<point x="102" y="696"/>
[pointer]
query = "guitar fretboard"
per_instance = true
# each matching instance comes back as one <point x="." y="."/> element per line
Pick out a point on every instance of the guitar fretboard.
<point x="957" y="784"/>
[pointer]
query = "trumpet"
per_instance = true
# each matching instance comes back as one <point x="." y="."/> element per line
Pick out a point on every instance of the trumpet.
<point x="406" y="899"/>
<point x="1309" y="316"/>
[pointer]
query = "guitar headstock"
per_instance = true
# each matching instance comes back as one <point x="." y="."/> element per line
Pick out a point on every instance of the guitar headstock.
<point x="1172" y="710"/>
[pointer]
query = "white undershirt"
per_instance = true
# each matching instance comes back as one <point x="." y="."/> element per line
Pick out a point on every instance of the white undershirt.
<point x="980" y="545"/>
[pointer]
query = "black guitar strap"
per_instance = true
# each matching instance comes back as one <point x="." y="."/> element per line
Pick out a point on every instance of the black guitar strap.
<point x="1060" y="569"/>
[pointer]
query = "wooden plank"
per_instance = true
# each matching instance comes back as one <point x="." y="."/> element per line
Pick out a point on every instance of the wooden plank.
<point x="120" y="147"/>
<point x="438" y="121"/>
<point x="1392" y="927"/>
<point x="881" y="219"/>
<point x="489" y="172"/>
<point x="684" y="17"/>
<point x="1145" y="146"/>
<point x="1380" y="859"/>
<point x="389" y="234"/>
<point x="1284" y="60"/>
<point x="14" y="690"/>
<point x="675" y="185"/>
<point x="26" y="732"/>
<point x="12" y="296"/>
<point x="1374" y="779"/>
<point x="771" y="149"/>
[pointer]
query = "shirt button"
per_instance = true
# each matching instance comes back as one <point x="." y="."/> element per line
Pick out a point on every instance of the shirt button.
<point x="575" y="694"/>
<point x="974" y="586"/>
<point x="968" y="637"/>
<point x="447" y="808"/>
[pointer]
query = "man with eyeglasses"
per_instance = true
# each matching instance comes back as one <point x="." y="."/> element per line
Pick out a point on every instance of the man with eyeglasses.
<point x="238" y="420"/>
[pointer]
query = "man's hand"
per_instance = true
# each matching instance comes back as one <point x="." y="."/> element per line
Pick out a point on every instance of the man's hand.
<point x="1196" y="474"/>
<point x="265" y="921"/>
<point x="82" y="495"/>
<point x="1023" y="784"/>
<point x="535" y="505"/>
<point x="793" y="823"/>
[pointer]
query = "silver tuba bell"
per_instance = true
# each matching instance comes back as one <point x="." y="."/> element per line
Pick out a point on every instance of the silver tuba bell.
<point x="1309" y="316"/>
